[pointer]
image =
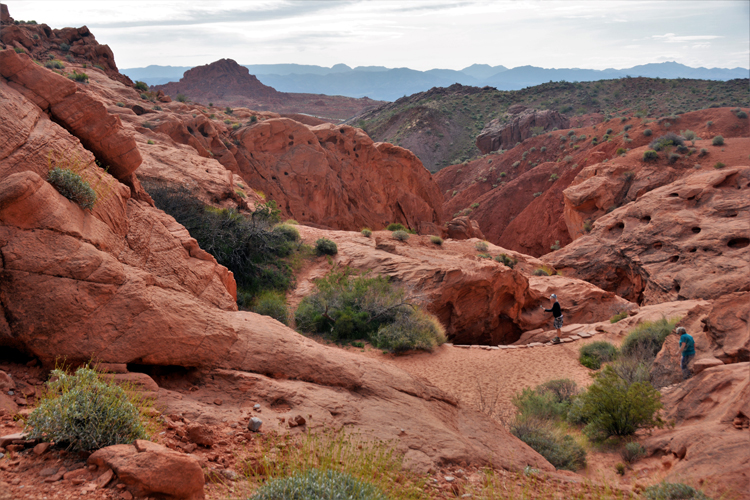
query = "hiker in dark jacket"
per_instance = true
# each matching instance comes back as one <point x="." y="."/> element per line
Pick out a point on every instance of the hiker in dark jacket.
<point x="556" y="311"/>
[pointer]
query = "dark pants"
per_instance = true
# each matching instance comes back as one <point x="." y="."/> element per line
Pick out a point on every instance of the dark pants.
<point x="684" y="365"/>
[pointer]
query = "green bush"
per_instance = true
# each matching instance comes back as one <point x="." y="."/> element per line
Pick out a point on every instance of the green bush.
<point x="366" y="232"/>
<point x="718" y="141"/>
<point x="649" y="335"/>
<point x="79" y="77"/>
<point x="594" y="354"/>
<point x="437" y="240"/>
<point x="664" y="141"/>
<point x="647" y="132"/>
<point x="719" y="165"/>
<point x="253" y="247"/>
<point x="673" y="491"/>
<point x="54" y="64"/>
<point x="400" y="235"/>
<point x="85" y="413"/>
<point x="549" y="401"/>
<point x="618" y="317"/>
<point x="650" y="155"/>
<point x="64" y="47"/>
<point x="315" y="484"/>
<point x="614" y="407"/>
<point x="272" y="303"/>
<point x="72" y="186"/>
<point x="481" y="246"/>
<point x="632" y="452"/>
<point x="396" y="226"/>
<point x="562" y="452"/>
<point x="411" y="330"/>
<point x="287" y="232"/>
<point x="504" y="259"/>
<point x="141" y="86"/>
<point x="324" y="246"/>
<point x="741" y="114"/>
<point x="344" y="307"/>
<point x="182" y="98"/>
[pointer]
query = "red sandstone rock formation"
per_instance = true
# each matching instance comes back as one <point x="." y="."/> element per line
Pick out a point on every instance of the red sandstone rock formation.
<point x="478" y="301"/>
<point x="687" y="239"/>
<point x="504" y="134"/>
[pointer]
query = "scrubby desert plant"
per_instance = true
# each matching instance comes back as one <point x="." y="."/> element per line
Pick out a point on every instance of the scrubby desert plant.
<point x="141" y="86"/>
<point x="84" y="412"/>
<point x="650" y="155"/>
<point x="182" y="98"/>
<point x="719" y="164"/>
<point x="673" y="491"/>
<point x="548" y="401"/>
<point x="396" y="226"/>
<point x="436" y="240"/>
<point x="64" y="47"/>
<point x="717" y="140"/>
<point x="324" y="246"/>
<point x="315" y="484"/>
<point x="649" y="335"/>
<point x="400" y="235"/>
<point x="543" y="271"/>
<point x="72" y="186"/>
<point x="594" y="354"/>
<point x="410" y="330"/>
<point x="561" y="451"/>
<point x="632" y="452"/>
<point x="504" y="259"/>
<point x="54" y="64"/>
<point x="618" y="317"/>
<point x="664" y="141"/>
<point x="614" y="407"/>
<point x="481" y="246"/>
<point x="79" y="77"/>
<point x="272" y="303"/>
<point x="647" y="132"/>
<point x="366" y="232"/>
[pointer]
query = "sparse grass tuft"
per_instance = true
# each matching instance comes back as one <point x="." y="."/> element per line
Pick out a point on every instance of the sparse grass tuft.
<point x="72" y="186"/>
<point x="594" y="354"/>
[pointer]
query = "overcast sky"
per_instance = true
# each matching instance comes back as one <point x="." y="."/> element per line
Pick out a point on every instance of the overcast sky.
<point x="409" y="33"/>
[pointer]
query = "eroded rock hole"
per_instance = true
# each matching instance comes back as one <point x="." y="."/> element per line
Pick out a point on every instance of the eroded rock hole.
<point x="738" y="242"/>
<point x="646" y="219"/>
<point x="677" y="287"/>
<point x="674" y="258"/>
<point x="657" y="245"/>
<point x="674" y="195"/>
<point x="692" y="250"/>
<point x="696" y="230"/>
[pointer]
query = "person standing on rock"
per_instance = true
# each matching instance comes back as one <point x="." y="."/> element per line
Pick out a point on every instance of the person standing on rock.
<point x="556" y="311"/>
<point x="687" y="348"/>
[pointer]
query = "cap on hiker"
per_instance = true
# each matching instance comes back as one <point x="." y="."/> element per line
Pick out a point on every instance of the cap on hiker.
<point x="680" y="330"/>
<point x="553" y="296"/>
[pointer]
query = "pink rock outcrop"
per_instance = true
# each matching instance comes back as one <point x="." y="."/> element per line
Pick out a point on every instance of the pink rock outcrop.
<point x="505" y="133"/>
<point x="149" y="469"/>
<point x="670" y="243"/>
<point x="335" y="176"/>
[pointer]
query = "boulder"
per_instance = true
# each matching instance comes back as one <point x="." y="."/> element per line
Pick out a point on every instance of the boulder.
<point x="149" y="469"/>
<point x="199" y="434"/>
<point x="463" y="228"/>
<point x="728" y="327"/>
<point x="669" y="243"/>
<point x="505" y="133"/>
<point x="705" y="363"/>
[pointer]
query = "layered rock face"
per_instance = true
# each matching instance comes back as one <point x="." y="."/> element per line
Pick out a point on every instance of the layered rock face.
<point x="502" y="134"/>
<point x="335" y="176"/>
<point x="478" y="301"/>
<point x="123" y="283"/>
<point x="671" y="243"/>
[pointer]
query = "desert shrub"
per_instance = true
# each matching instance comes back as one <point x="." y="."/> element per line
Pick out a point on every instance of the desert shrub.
<point x="504" y="259"/>
<point x="436" y="240"/>
<point x="64" y="47"/>
<point x="72" y="186"/>
<point x="79" y="77"/>
<point x="228" y="110"/>
<point x="741" y="114"/>
<point x="253" y="119"/>
<point x="620" y="468"/>
<point x="621" y="151"/>
<point x="474" y="205"/>
<point x="553" y="177"/>
<point x="481" y="246"/>
<point x="410" y="330"/>
<point x="703" y="152"/>
<point x="515" y="164"/>
<point x="366" y="232"/>
<point x="141" y="86"/>
<point x="627" y="127"/>
<point x="719" y="164"/>
<point x="548" y="401"/>
<point x="632" y="452"/>
<point x="157" y="108"/>
<point x="272" y="303"/>
<point x="650" y="155"/>
<point x="400" y="235"/>
<point x="69" y="58"/>
<point x="664" y="141"/>
<point x="609" y="131"/>
<point x="150" y="142"/>
<point x="324" y="246"/>
<point x="344" y="306"/>
<point x="182" y="98"/>
<point x="396" y="226"/>
<point x="594" y="354"/>
<point x="618" y="317"/>
<point x="717" y="140"/>
<point x="253" y="247"/>
<point x="688" y="135"/>
<point x="544" y="271"/>
<point x="649" y="335"/>
<point x="85" y="413"/>
<point x="561" y="451"/>
<point x="315" y="484"/>
<point x="673" y="491"/>
<point x="613" y="407"/>
<point x="647" y="132"/>
<point x="54" y="64"/>
<point x="673" y="157"/>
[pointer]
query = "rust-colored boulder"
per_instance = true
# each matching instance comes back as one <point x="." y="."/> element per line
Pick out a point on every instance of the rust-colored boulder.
<point x="728" y="327"/>
<point x="149" y="469"/>
<point x="200" y="434"/>
<point x="505" y="133"/>
<point x="463" y="228"/>
<point x="705" y="443"/>
<point x="335" y="176"/>
<point x="669" y="244"/>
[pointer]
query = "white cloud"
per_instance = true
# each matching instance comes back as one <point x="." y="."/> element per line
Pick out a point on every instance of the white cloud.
<point x="672" y="38"/>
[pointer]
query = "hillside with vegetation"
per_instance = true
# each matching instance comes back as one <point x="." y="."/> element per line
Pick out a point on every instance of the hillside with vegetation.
<point x="441" y="125"/>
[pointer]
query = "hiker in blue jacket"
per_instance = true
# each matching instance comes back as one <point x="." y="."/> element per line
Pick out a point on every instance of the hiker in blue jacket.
<point x="687" y="348"/>
<point x="556" y="311"/>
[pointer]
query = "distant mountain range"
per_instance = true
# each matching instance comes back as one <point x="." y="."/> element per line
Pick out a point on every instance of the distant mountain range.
<point x="389" y="84"/>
